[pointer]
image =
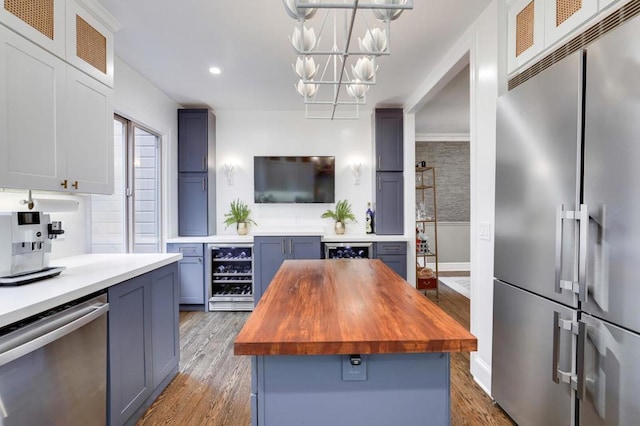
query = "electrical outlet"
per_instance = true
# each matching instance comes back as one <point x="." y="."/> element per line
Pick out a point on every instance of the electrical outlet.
<point x="354" y="368"/>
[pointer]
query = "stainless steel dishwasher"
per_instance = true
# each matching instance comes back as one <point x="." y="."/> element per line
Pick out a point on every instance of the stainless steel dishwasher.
<point x="53" y="366"/>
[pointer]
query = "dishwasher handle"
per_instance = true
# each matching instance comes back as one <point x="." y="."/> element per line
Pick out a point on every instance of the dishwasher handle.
<point x="32" y="338"/>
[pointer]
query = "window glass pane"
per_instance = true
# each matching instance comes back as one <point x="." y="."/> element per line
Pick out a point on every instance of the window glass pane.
<point x="146" y="208"/>
<point x="108" y="211"/>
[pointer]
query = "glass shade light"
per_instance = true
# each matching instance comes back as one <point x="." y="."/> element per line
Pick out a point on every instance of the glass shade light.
<point x="375" y="41"/>
<point x="306" y="67"/>
<point x="304" y="42"/>
<point x="387" y="15"/>
<point x="306" y="90"/>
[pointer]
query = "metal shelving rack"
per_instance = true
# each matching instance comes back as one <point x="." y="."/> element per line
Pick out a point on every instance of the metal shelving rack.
<point x="426" y="191"/>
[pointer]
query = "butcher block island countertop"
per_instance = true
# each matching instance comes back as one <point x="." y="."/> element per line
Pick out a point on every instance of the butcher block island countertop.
<point x="347" y="306"/>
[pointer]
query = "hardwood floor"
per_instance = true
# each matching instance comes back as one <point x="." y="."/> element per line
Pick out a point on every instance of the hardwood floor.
<point x="213" y="385"/>
<point x="470" y="405"/>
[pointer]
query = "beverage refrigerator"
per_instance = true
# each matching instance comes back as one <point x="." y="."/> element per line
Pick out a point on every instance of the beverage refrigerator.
<point x="566" y="333"/>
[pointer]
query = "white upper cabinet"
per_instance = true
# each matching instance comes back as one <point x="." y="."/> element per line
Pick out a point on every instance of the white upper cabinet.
<point x="526" y="31"/>
<point x="42" y="22"/>
<point x="563" y="16"/>
<point x="56" y="98"/>
<point x="90" y="125"/>
<point x="32" y="109"/>
<point x="89" y="44"/>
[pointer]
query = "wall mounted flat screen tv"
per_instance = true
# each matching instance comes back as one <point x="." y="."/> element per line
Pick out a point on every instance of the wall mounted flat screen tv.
<point x="294" y="179"/>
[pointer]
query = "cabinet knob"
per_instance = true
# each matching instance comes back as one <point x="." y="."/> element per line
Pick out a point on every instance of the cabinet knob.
<point x="64" y="184"/>
<point x="74" y="184"/>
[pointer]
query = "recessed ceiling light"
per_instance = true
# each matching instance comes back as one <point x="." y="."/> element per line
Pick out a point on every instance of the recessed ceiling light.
<point x="215" y="70"/>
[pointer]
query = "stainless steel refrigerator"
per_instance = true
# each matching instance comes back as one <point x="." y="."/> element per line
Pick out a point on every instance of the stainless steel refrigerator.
<point x="566" y="327"/>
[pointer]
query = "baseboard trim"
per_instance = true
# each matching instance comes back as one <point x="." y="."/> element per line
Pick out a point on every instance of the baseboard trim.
<point x="481" y="373"/>
<point x="451" y="266"/>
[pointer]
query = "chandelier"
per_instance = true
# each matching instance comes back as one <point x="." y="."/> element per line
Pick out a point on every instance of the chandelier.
<point x="334" y="71"/>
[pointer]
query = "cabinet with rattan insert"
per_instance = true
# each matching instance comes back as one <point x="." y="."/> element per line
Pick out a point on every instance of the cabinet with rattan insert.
<point x="68" y="29"/>
<point x="535" y="27"/>
<point x="56" y="122"/>
<point x="426" y="224"/>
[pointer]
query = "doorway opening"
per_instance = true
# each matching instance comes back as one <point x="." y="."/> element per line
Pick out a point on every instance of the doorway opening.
<point x="443" y="142"/>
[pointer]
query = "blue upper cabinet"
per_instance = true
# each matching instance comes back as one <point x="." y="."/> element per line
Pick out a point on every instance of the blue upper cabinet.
<point x="196" y="172"/>
<point x="193" y="136"/>
<point x="389" y="139"/>
<point x="389" y="203"/>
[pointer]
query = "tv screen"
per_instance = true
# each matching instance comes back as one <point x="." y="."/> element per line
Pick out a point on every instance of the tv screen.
<point x="294" y="179"/>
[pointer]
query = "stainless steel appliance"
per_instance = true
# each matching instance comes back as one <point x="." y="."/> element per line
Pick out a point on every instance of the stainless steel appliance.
<point x="229" y="271"/>
<point x="53" y="368"/>
<point x="566" y="335"/>
<point x="25" y="247"/>
<point x="348" y="250"/>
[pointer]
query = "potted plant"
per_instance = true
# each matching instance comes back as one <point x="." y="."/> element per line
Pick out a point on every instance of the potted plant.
<point x="239" y="215"/>
<point x="340" y="215"/>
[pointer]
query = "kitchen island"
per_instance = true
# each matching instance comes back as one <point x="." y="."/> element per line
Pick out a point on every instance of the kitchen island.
<point x="348" y="342"/>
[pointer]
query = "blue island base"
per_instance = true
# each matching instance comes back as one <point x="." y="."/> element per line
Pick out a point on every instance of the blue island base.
<point x="321" y="390"/>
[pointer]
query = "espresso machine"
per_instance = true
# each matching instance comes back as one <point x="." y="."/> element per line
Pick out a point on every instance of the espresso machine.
<point x="25" y="247"/>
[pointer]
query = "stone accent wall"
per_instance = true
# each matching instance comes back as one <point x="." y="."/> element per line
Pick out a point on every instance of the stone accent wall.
<point x="451" y="162"/>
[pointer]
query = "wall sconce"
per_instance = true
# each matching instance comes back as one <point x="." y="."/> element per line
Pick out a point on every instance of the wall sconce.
<point x="356" y="169"/>
<point x="228" y="172"/>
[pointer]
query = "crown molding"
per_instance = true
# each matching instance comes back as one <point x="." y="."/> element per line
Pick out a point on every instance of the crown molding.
<point x="101" y="14"/>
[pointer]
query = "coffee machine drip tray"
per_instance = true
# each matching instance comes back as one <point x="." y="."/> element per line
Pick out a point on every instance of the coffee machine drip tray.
<point x="31" y="277"/>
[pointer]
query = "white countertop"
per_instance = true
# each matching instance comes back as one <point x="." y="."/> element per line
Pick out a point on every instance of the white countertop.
<point x="346" y="238"/>
<point x="84" y="275"/>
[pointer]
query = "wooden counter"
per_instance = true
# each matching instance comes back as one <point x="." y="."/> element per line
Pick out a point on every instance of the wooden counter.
<point x="350" y="306"/>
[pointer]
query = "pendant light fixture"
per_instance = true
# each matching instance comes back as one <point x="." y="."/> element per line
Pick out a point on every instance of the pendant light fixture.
<point x="334" y="73"/>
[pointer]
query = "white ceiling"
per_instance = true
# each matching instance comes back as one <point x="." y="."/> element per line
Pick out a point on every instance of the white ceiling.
<point x="174" y="43"/>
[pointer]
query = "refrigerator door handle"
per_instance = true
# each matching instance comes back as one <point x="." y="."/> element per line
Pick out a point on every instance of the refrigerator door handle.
<point x="560" y="284"/>
<point x="582" y="338"/>
<point x="559" y="375"/>
<point x="582" y="265"/>
<point x="555" y="376"/>
<point x="559" y="223"/>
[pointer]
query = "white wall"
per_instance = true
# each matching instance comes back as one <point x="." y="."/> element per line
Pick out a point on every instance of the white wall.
<point x="73" y="242"/>
<point x="241" y="135"/>
<point x="480" y="41"/>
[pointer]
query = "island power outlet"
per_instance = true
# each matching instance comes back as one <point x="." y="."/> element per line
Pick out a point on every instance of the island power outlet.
<point x="354" y="368"/>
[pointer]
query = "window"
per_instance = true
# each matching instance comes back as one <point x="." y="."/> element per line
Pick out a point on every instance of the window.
<point x="129" y="220"/>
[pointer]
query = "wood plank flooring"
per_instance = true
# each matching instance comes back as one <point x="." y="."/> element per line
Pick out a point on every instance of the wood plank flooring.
<point x="213" y="385"/>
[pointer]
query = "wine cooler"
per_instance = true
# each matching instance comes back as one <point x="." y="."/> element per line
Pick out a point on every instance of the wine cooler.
<point x="231" y="277"/>
<point x="348" y="250"/>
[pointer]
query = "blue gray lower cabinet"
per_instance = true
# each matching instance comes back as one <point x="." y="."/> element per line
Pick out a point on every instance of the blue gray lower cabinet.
<point x="394" y="255"/>
<point x="270" y="252"/>
<point x="191" y="268"/>
<point x="400" y="389"/>
<point x="144" y="344"/>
